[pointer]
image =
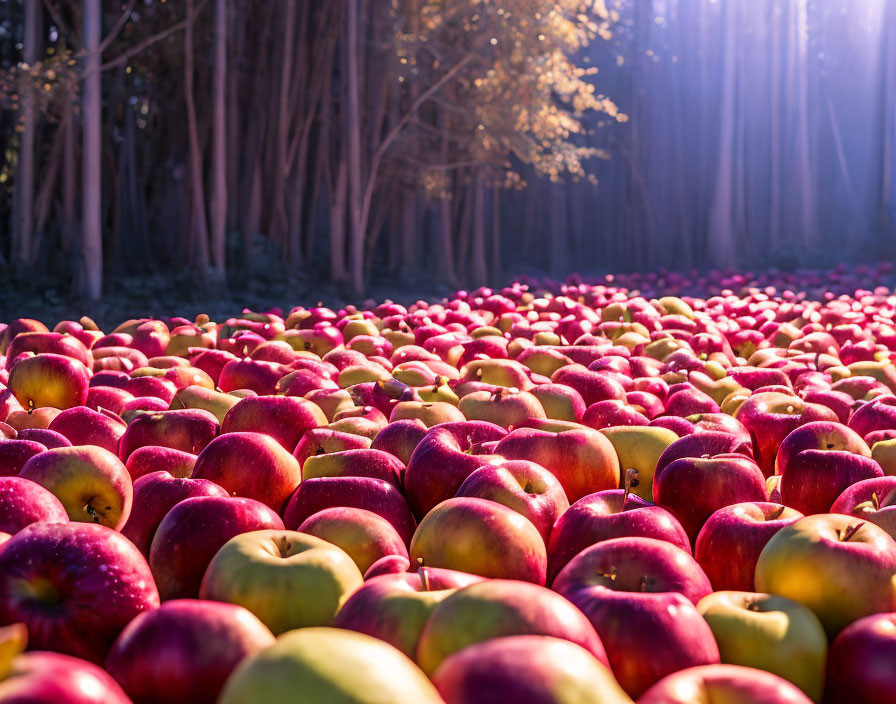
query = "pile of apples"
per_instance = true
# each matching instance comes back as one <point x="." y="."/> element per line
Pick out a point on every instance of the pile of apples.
<point x="588" y="493"/>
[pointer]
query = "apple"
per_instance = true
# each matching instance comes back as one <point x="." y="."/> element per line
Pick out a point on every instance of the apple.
<point x="49" y="380"/>
<point x="91" y="483"/>
<point x="319" y="441"/>
<point x="193" y="531"/>
<point x="14" y="454"/>
<point x="872" y="500"/>
<point x="692" y="488"/>
<point x="732" y="684"/>
<point x="274" y="475"/>
<point x="639" y="448"/>
<point x="363" y="535"/>
<point x="284" y="418"/>
<point x="37" y="418"/>
<point x="526" y="669"/>
<point x="155" y="494"/>
<point x="400" y="438"/>
<point x="39" y="343"/>
<point x="201" y="398"/>
<point x="395" y="607"/>
<point x="592" y="386"/>
<point x="839" y="566"/>
<point x="153" y="458"/>
<point x="769" y="633"/>
<point x="496" y="608"/>
<point x="287" y="579"/>
<point x="583" y="460"/>
<point x="23" y="502"/>
<point x="43" y="677"/>
<point x="83" y="426"/>
<point x="729" y="543"/>
<point x="606" y="515"/>
<point x="48" y="438"/>
<point x="74" y="585"/>
<point x="328" y="665"/>
<point x="184" y="651"/>
<point x="859" y="662"/>
<point x="355" y="463"/>
<point x="188" y="430"/>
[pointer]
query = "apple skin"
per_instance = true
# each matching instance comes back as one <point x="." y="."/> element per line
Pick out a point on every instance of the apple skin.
<point x="328" y="665"/>
<point x="524" y="486"/>
<point x="49" y="380"/>
<point x="593" y="386"/>
<point x="154" y="495"/>
<point x="82" y="426"/>
<point x="400" y="438"/>
<point x="274" y="475"/>
<point x="729" y="543"/>
<point x="603" y="516"/>
<point x="526" y="669"/>
<point x="501" y="607"/>
<point x="819" y="435"/>
<point x="14" y="454"/>
<point x="583" y="460"/>
<point x="878" y="414"/>
<point x="443" y="459"/>
<point x="560" y="402"/>
<point x="872" y="500"/>
<point x="43" y="677"/>
<point x="287" y="579"/>
<point x="355" y="463"/>
<point x="153" y="458"/>
<point x="395" y="607"/>
<point x="187" y="430"/>
<point x="184" y="651"/>
<point x="769" y="633"/>
<point x="838" y="566"/>
<point x="74" y="585"/>
<point x="319" y="441"/>
<point x="480" y="537"/>
<point x="92" y="483"/>
<point x="375" y="495"/>
<point x="860" y="662"/>
<point x="732" y="684"/>
<point x="813" y="479"/>
<point x="48" y="438"/>
<point x="193" y="531"/>
<point x="639" y="448"/>
<point x="698" y="445"/>
<point x="692" y="489"/>
<point x="284" y="418"/>
<point x="23" y="502"/>
<point x="363" y="535"/>
<point x="41" y="343"/>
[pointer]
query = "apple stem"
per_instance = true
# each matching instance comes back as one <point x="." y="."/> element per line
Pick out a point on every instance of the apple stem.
<point x="424" y="577"/>
<point x="30" y="405"/>
<point x="777" y="513"/>
<point x="320" y="450"/>
<point x="631" y="481"/>
<point x="642" y="583"/>
<point x="850" y="531"/>
<point x="91" y="511"/>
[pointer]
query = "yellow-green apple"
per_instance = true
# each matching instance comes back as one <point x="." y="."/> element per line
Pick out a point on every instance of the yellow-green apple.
<point x="193" y="531"/>
<point x="74" y="586"/>
<point x="184" y="651"/>
<point x="772" y="416"/>
<point x="330" y="401"/>
<point x="884" y="453"/>
<point x="693" y="488"/>
<point x="274" y="474"/>
<point x="507" y="373"/>
<point x="91" y="483"/>
<point x="155" y="494"/>
<point x="524" y="486"/>
<point x="582" y="459"/>
<point x="363" y="535"/>
<point x="860" y="662"/>
<point x="287" y="579"/>
<point x="376" y="495"/>
<point x="481" y="537"/>
<point x="446" y="456"/>
<point x="501" y="607"/>
<point x="730" y="541"/>
<point x="358" y="425"/>
<point x="839" y="566"/>
<point x="188" y="430"/>
<point x="23" y="502"/>
<point x="328" y="666"/>
<point x="639" y="448"/>
<point x="215" y="402"/>
<point x="606" y="515"/>
<point x="504" y="407"/>
<point x="871" y="500"/>
<point x="543" y="360"/>
<point x="319" y="441"/>
<point x="769" y="633"/>
<point x="44" y="677"/>
<point x="593" y="386"/>
<point x="560" y="402"/>
<point x="527" y="669"/>
<point x="732" y="684"/>
<point x="284" y="418"/>
<point x="14" y="454"/>
<point x="395" y="607"/>
<point x="355" y="463"/>
<point x="153" y="458"/>
<point x="49" y="380"/>
<point x="430" y="413"/>
<point x="400" y="438"/>
<point x="83" y="426"/>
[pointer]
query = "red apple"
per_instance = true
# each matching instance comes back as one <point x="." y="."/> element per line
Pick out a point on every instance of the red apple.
<point x="49" y="380"/>
<point x="23" y="502"/>
<point x="284" y="418"/>
<point x="153" y="458"/>
<point x="732" y="684"/>
<point x="49" y="678"/>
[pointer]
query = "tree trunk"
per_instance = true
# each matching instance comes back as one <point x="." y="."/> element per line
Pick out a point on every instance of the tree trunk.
<point x="353" y="117"/>
<point x="199" y="224"/>
<point x="91" y="177"/>
<point x="218" y="205"/>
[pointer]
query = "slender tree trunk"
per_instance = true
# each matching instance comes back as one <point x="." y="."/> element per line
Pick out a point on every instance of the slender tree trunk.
<point x="91" y="177"/>
<point x="69" y="179"/>
<point x="280" y="221"/>
<point x="199" y="224"/>
<point x="352" y="114"/>
<point x="337" y="224"/>
<point x="218" y="204"/>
